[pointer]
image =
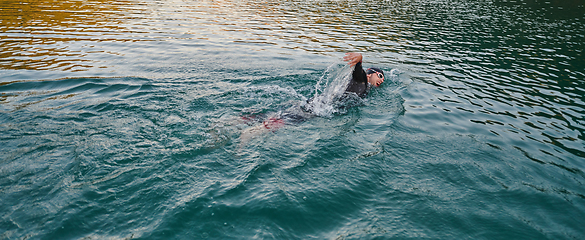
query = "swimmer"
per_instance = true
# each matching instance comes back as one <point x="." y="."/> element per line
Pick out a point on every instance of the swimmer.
<point x="361" y="82"/>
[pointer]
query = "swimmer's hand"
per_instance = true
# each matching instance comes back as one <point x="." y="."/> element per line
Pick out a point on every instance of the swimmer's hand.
<point x="352" y="58"/>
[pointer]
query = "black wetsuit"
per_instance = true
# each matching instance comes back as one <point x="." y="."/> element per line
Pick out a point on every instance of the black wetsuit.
<point x="359" y="81"/>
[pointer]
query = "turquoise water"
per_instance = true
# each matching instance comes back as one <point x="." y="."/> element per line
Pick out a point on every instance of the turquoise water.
<point x="123" y="120"/>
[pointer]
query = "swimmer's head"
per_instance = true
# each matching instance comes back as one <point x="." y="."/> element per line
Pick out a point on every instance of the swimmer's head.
<point x="375" y="76"/>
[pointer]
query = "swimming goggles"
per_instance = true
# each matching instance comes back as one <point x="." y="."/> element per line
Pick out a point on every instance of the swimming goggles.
<point x="380" y="75"/>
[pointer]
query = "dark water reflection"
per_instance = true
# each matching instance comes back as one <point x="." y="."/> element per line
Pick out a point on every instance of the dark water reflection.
<point x="482" y="132"/>
<point x="509" y="63"/>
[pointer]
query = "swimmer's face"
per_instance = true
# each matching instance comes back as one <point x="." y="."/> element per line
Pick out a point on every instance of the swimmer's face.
<point x="375" y="78"/>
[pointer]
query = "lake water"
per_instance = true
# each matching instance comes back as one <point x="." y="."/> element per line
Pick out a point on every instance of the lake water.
<point x="131" y="120"/>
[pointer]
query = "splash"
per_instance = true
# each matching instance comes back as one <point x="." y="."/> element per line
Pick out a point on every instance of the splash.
<point x="329" y="90"/>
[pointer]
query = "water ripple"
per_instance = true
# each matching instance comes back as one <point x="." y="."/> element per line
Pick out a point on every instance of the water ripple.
<point x="478" y="135"/>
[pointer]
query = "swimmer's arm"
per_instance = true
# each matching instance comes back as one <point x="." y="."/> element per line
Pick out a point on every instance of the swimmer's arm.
<point x="358" y="74"/>
<point x="353" y="58"/>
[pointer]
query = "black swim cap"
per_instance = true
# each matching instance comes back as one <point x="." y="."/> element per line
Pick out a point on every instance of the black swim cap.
<point x="375" y="70"/>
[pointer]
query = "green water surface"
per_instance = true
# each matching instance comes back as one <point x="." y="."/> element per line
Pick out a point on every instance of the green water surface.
<point x="123" y="120"/>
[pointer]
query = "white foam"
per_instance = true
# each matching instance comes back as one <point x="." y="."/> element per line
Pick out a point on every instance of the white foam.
<point x="330" y="87"/>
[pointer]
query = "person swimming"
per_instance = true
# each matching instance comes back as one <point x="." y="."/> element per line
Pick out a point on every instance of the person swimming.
<point x="360" y="85"/>
<point x="361" y="81"/>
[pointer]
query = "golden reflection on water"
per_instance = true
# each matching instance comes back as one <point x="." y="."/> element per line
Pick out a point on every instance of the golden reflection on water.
<point x="35" y="35"/>
<point x="74" y="35"/>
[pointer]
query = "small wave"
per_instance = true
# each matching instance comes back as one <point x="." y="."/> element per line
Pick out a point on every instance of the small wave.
<point x="53" y="94"/>
<point x="274" y="89"/>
